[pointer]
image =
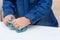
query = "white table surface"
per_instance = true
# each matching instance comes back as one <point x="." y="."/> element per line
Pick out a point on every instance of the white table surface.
<point x="33" y="33"/>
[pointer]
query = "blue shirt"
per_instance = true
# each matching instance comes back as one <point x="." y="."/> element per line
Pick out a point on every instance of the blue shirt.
<point x="38" y="11"/>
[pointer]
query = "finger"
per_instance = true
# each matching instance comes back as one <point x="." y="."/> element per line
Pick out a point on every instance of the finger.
<point x="20" y="27"/>
<point x="14" y="21"/>
<point x="12" y="16"/>
<point x="7" y="19"/>
<point x="6" y="23"/>
<point x="15" y="25"/>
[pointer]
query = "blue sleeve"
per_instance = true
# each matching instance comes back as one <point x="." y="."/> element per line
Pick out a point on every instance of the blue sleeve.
<point x="39" y="11"/>
<point x="8" y="7"/>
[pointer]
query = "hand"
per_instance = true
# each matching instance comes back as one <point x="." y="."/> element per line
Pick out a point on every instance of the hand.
<point x="6" y="19"/>
<point x="20" y="23"/>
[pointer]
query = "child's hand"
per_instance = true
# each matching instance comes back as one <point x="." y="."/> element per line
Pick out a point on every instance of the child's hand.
<point x="6" y="19"/>
<point x="19" y="23"/>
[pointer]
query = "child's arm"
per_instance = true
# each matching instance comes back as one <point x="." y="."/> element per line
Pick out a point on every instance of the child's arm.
<point x="8" y="7"/>
<point x="39" y="11"/>
<point x="8" y="10"/>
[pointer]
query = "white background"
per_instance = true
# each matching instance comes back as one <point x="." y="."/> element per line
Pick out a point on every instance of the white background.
<point x="32" y="33"/>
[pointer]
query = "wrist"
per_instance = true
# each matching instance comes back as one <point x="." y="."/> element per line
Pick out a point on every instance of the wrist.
<point x="28" y="20"/>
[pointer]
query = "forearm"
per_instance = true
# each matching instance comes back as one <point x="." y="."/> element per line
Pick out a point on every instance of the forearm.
<point x="39" y="11"/>
<point x="8" y="7"/>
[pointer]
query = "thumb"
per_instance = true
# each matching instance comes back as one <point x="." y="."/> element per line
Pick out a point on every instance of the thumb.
<point x="12" y="16"/>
